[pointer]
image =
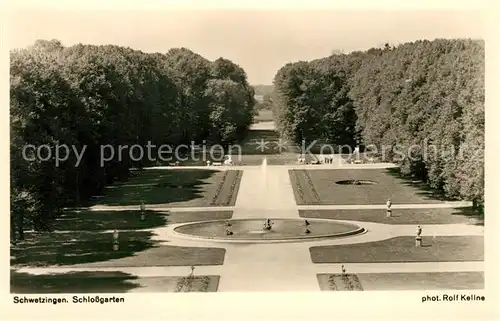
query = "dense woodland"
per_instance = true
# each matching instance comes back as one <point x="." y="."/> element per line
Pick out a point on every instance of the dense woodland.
<point x="266" y="91"/>
<point x="425" y="93"/>
<point x="98" y="95"/>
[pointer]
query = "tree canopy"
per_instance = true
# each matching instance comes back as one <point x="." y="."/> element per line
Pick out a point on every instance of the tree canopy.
<point x="88" y="96"/>
<point x="425" y="98"/>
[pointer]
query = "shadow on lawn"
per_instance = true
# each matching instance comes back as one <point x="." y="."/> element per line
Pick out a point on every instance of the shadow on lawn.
<point x="157" y="187"/>
<point x="108" y="220"/>
<point x="45" y="249"/>
<point x="476" y="217"/>
<point x="428" y="192"/>
<point x="424" y="189"/>
<point x="72" y="282"/>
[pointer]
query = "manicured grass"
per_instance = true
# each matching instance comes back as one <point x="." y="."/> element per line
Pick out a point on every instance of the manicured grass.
<point x="323" y="184"/>
<point x="86" y="237"/>
<point x="73" y="282"/>
<point x="404" y="281"/>
<point x="226" y="192"/>
<point x="177" y="188"/>
<point x="108" y="282"/>
<point x="130" y="220"/>
<point x="303" y="189"/>
<point x="75" y="220"/>
<point x="401" y="216"/>
<point x="403" y="249"/>
<point x="80" y="248"/>
<point x="74" y="247"/>
<point x="166" y="255"/>
<point x="185" y="217"/>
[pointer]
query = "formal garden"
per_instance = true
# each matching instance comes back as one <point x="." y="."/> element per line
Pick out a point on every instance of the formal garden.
<point x="128" y="225"/>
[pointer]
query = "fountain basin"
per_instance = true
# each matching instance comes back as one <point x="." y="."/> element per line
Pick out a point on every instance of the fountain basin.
<point x="252" y="230"/>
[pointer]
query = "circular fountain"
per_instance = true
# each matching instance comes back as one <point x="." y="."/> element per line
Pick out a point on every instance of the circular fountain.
<point x="253" y="230"/>
<point x="263" y="229"/>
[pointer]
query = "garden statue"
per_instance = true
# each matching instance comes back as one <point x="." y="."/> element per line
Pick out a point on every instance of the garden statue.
<point x="356" y="151"/>
<point x="418" y="238"/>
<point x="389" y="210"/>
<point x="267" y="224"/>
<point x="143" y="209"/>
<point x="116" y="245"/>
<point x="228" y="160"/>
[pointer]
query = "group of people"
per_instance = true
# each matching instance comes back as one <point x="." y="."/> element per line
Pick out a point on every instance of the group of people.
<point x="328" y="160"/>
<point x="301" y="159"/>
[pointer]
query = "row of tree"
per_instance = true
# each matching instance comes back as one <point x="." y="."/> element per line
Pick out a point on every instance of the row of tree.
<point x="420" y="102"/>
<point x="92" y="96"/>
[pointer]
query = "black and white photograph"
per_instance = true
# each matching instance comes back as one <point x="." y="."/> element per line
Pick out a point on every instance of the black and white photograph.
<point x="247" y="150"/>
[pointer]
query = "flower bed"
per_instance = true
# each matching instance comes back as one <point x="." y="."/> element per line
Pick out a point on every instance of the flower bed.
<point x="307" y="195"/>
<point x="233" y="188"/>
<point x="344" y="282"/>
<point x="192" y="283"/>
<point x="219" y="189"/>
<point x="221" y="198"/>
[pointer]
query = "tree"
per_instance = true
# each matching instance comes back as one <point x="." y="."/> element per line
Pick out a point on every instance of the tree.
<point x="91" y="96"/>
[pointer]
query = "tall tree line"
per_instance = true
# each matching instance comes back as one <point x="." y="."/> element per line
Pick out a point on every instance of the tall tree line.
<point x="87" y="95"/>
<point x="425" y="98"/>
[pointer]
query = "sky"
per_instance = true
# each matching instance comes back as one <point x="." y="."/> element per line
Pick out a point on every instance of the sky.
<point x="260" y="41"/>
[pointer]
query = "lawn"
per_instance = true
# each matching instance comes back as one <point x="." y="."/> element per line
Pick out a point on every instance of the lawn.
<point x="320" y="187"/>
<point x="174" y="188"/>
<point x="108" y="282"/>
<point x="85" y="220"/>
<point x="79" y="220"/>
<point x="402" y="281"/>
<point x="74" y="247"/>
<point x="403" y="249"/>
<point x="401" y="216"/>
<point x="166" y="255"/>
<point x="264" y="115"/>
<point x="84" y="248"/>
<point x="186" y="217"/>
